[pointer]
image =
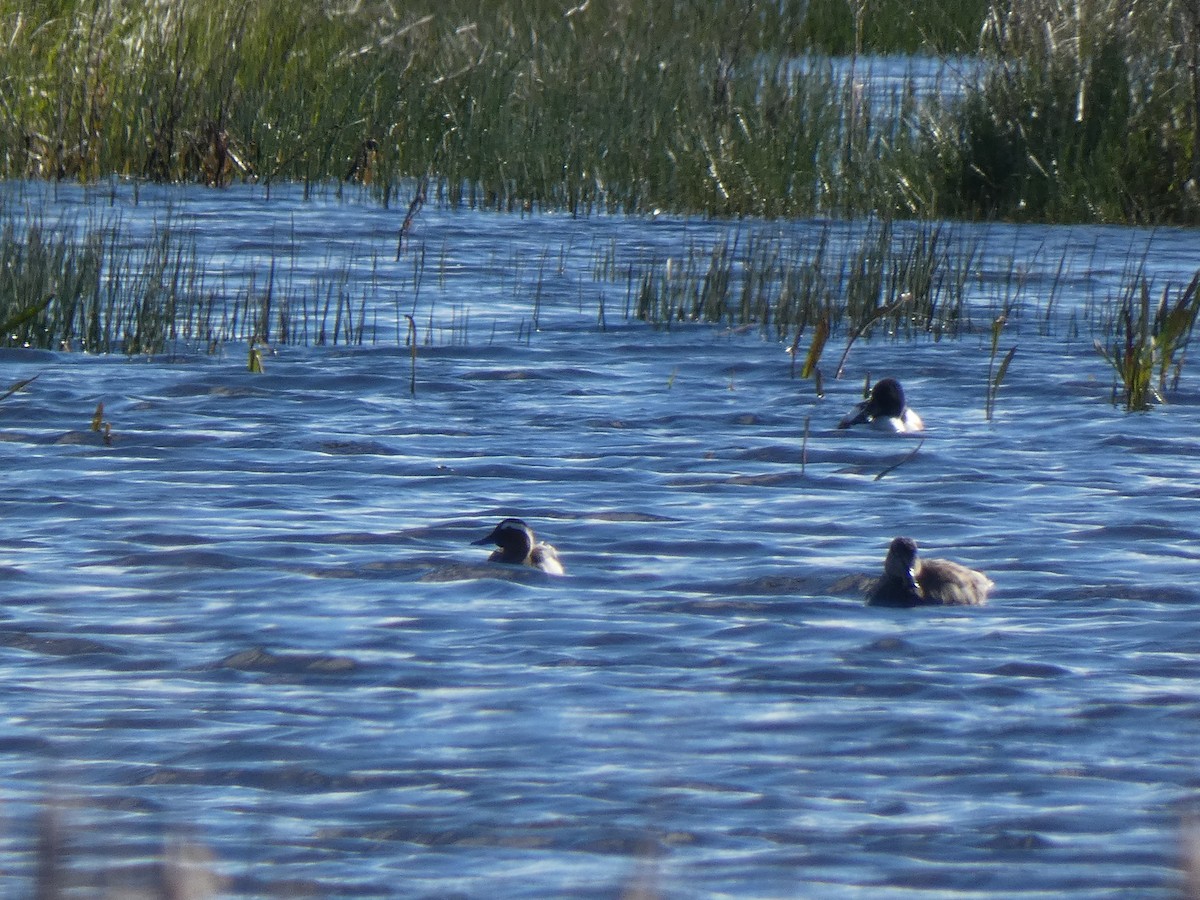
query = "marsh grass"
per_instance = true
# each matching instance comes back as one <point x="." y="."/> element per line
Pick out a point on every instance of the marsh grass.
<point x="96" y="288"/>
<point x="102" y="426"/>
<point x="412" y="353"/>
<point x="1150" y="339"/>
<point x="59" y="290"/>
<point x="859" y="329"/>
<point x="815" y="349"/>
<point x="919" y="281"/>
<point x="873" y="280"/>
<point x="510" y="103"/>
<point x="721" y="109"/>
<point x="1085" y="112"/>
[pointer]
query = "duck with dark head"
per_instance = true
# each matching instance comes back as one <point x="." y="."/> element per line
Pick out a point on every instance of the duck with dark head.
<point x="885" y="410"/>
<point x="518" y="546"/>
<point x="909" y="580"/>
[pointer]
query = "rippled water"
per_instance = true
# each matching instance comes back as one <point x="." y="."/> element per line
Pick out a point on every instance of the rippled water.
<point x="255" y="622"/>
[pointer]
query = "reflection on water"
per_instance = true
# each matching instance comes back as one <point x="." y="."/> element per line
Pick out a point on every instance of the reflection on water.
<point x="255" y="622"/>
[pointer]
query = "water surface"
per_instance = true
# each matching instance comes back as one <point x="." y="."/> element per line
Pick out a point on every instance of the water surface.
<point x="255" y="622"/>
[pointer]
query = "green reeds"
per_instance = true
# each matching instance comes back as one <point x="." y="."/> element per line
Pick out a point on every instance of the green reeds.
<point x="996" y="374"/>
<point x="1082" y="114"/>
<point x="59" y="290"/>
<point x="97" y="290"/>
<point x="1150" y="337"/>
<point x="725" y="109"/>
<point x="874" y="278"/>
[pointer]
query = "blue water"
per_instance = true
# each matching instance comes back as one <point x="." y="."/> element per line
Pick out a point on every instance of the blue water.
<point x="254" y="623"/>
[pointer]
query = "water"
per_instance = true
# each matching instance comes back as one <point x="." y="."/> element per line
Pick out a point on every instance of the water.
<point x="255" y="624"/>
<point x="887" y="80"/>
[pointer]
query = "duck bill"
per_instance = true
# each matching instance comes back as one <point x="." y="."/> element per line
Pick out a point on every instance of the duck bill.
<point x="856" y="416"/>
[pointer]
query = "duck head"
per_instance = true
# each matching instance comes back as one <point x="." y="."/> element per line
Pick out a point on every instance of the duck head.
<point x="902" y="564"/>
<point x="886" y="408"/>
<point x="513" y="537"/>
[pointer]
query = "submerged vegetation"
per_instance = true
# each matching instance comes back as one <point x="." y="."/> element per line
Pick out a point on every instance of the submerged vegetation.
<point x="1072" y="112"/>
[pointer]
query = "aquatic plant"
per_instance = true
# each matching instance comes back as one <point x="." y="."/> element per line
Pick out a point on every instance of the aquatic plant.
<point x="412" y="352"/>
<point x="478" y="92"/>
<point x="100" y="425"/>
<point x="96" y="288"/>
<point x="996" y="374"/>
<point x="908" y="457"/>
<point x="906" y="282"/>
<point x="862" y="327"/>
<point x="804" y="446"/>
<point x="815" y="349"/>
<point x="1149" y="336"/>
<point x="44" y="279"/>
<point x="59" y="290"/>
<point x="16" y="387"/>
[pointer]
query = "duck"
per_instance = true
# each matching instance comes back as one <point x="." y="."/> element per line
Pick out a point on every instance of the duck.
<point x="518" y="546"/>
<point x="910" y="581"/>
<point x="885" y="410"/>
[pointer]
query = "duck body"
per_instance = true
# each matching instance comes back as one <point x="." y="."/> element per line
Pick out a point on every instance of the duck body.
<point x="885" y="410"/>
<point x="518" y="546"/>
<point x="909" y="580"/>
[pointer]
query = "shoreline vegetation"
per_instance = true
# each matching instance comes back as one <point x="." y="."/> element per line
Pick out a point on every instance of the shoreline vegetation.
<point x="1073" y="114"/>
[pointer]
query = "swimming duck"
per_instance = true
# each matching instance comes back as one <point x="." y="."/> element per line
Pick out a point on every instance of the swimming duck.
<point x="910" y="581"/>
<point x="519" y="547"/>
<point x="885" y="410"/>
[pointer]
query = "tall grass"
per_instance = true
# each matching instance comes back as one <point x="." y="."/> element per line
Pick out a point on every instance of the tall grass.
<point x="875" y="279"/>
<point x="1085" y="112"/>
<point x="98" y="290"/>
<point x="901" y="283"/>
<point x="718" y="108"/>
<point x="91" y="293"/>
<point x="1149" y="336"/>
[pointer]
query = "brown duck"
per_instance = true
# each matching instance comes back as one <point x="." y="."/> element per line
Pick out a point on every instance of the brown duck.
<point x="909" y="580"/>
